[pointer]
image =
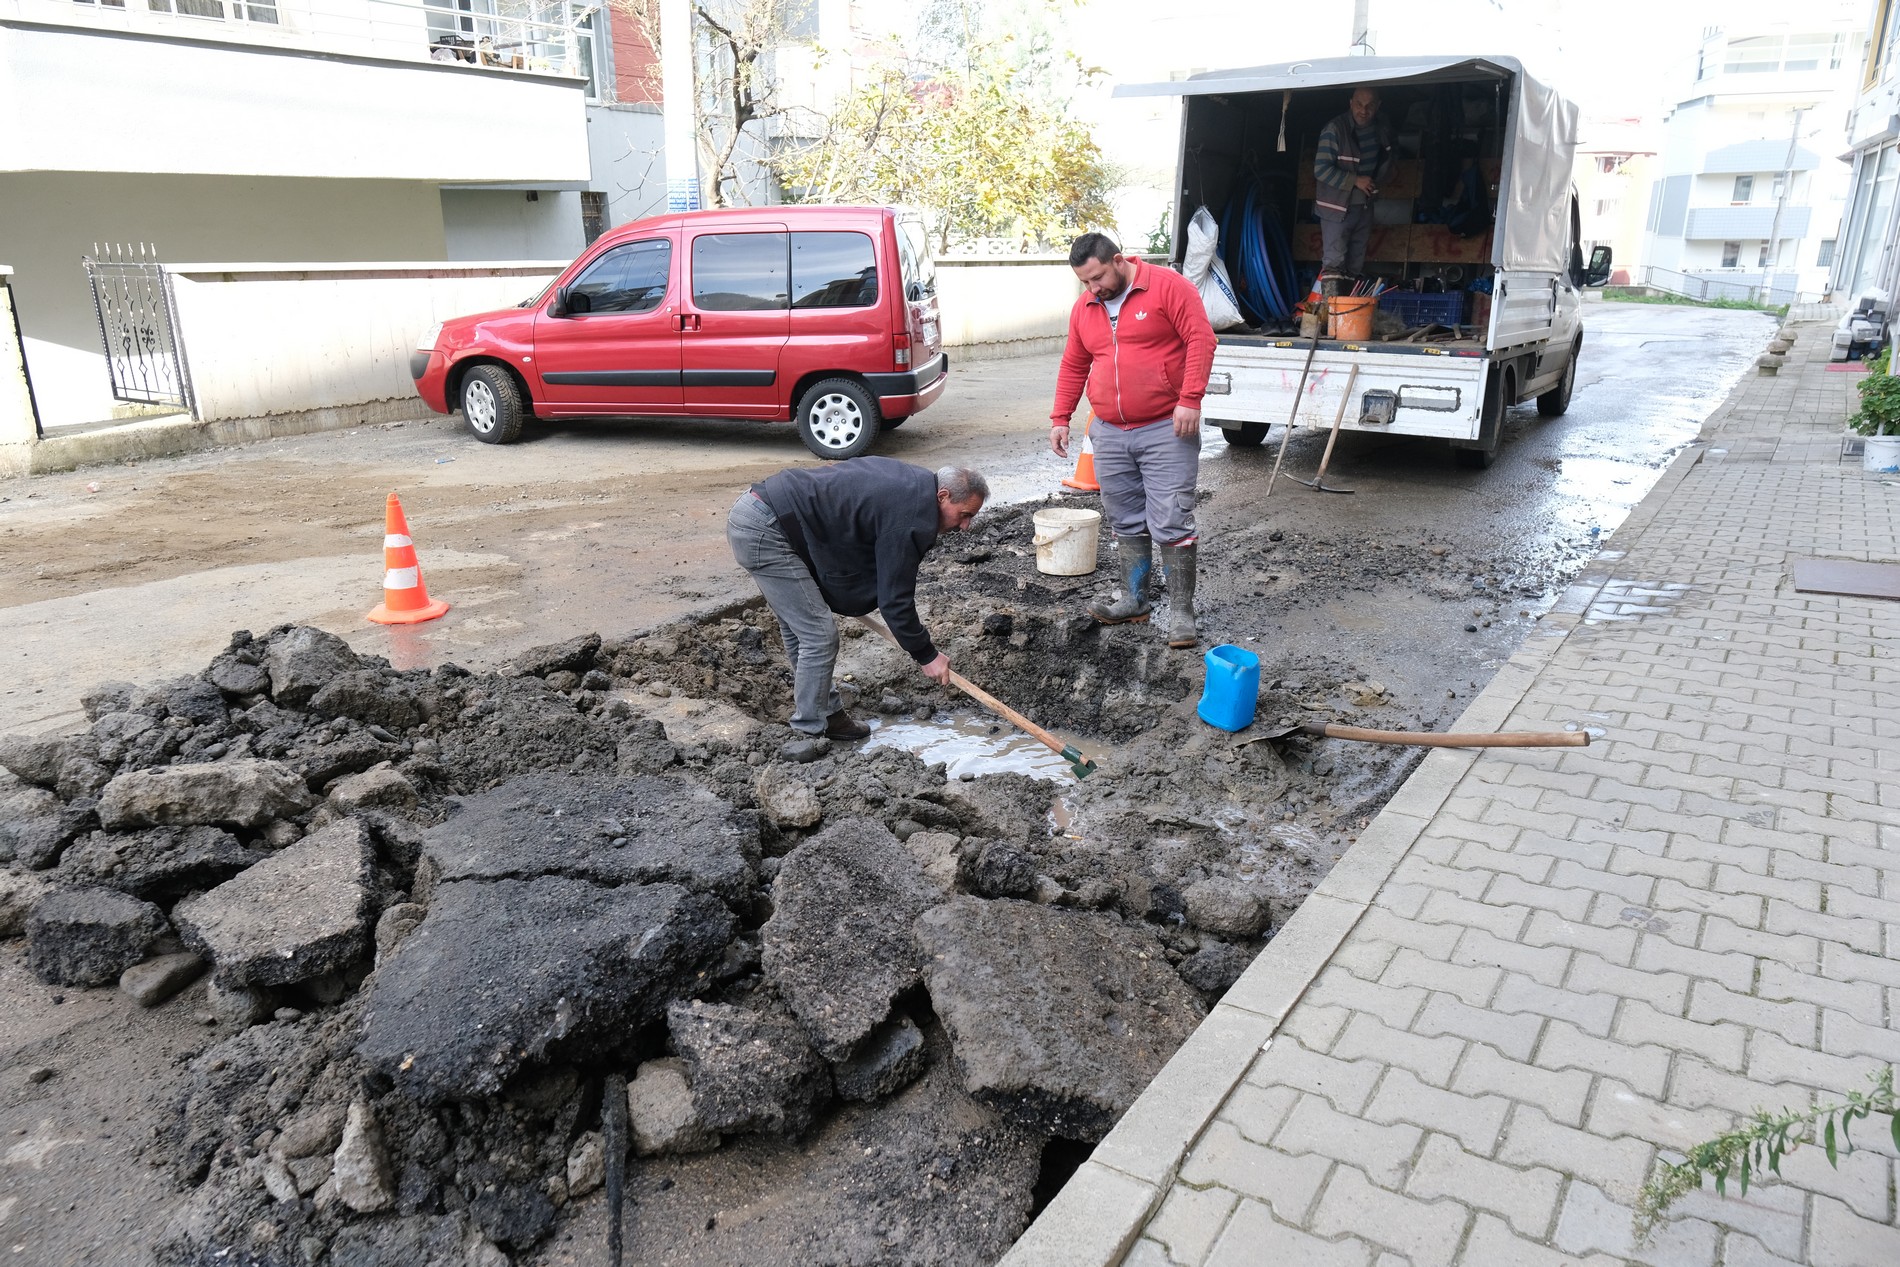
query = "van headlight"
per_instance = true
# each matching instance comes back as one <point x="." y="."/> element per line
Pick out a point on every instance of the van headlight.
<point x="427" y="342"/>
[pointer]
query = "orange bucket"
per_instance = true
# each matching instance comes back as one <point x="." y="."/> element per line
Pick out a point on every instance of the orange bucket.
<point x="1351" y="318"/>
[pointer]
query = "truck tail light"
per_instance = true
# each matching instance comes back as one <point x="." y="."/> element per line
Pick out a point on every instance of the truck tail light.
<point x="900" y="350"/>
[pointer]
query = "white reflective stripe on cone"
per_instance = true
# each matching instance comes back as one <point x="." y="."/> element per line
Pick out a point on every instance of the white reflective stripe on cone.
<point x="401" y="578"/>
<point x="393" y="540"/>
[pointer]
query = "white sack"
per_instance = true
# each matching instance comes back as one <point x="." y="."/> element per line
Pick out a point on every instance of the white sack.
<point x="1203" y="266"/>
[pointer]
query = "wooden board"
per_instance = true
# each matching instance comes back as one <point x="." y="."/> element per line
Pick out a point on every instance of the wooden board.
<point x="1854" y="580"/>
<point x="1402" y="244"/>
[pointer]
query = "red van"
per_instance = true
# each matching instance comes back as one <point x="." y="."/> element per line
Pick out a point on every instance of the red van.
<point x="825" y="315"/>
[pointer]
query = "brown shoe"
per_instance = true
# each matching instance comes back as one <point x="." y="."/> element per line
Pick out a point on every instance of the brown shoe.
<point x="842" y="725"/>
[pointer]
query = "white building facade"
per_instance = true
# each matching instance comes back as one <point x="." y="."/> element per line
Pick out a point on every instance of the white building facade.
<point x="291" y="131"/>
<point x="1867" y="260"/>
<point x="1747" y="196"/>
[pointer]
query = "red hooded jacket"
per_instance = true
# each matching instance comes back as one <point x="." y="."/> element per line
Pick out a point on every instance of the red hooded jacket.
<point x="1155" y="358"/>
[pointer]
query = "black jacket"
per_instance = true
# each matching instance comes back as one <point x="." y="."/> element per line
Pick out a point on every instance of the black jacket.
<point x="863" y="528"/>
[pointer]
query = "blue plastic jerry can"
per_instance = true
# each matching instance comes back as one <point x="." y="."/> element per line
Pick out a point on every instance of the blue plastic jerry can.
<point x="1233" y="687"/>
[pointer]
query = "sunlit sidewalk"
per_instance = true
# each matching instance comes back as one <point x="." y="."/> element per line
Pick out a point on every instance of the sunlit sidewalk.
<point x="1540" y="971"/>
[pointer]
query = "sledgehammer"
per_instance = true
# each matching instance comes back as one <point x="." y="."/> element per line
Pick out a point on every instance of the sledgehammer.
<point x="1081" y="765"/>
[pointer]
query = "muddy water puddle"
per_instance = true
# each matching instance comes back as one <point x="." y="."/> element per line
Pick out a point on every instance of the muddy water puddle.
<point x="973" y="745"/>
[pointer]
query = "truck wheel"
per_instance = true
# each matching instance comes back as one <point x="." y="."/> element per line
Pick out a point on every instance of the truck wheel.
<point x="492" y="406"/>
<point x="837" y="419"/>
<point x="1553" y="402"/>
<point x="1244" y="435"/>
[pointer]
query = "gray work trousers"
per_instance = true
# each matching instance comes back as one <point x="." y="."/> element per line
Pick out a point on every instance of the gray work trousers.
<point x="811" y="631"/>
<point x="1342" y="243"/>
<point x="1147" y="476"/>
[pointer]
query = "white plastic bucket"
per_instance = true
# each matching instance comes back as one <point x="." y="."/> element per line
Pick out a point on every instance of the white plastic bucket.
<point x="1881" y="455"/>
<point x="1066" y="540"/>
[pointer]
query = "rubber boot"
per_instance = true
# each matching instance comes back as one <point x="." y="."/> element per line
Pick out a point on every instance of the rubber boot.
<point x="1177" y="563"/>
<point x="1132" y="608"/>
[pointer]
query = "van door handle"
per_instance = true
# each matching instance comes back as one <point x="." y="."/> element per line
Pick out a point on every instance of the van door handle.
<point x="689" y="321"/>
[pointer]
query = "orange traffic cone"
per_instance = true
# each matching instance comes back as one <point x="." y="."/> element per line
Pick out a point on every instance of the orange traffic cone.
<point x="1084" y="477"/>
<point x="405" y="598"/>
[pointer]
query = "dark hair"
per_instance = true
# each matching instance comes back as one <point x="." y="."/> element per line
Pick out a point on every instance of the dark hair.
<point x="1093" y="246"/>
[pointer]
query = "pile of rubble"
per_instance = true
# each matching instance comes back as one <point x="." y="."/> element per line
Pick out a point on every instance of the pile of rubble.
<point x="438" y="909"/>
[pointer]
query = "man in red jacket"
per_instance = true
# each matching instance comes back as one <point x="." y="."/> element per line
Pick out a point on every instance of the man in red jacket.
<point x="1139" y="339"/>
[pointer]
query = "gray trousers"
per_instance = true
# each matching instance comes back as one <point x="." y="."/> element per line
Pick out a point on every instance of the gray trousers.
<point x="811" y="631"/>
<point x="1342" y="243"/>
<point x="1147" y="476"/>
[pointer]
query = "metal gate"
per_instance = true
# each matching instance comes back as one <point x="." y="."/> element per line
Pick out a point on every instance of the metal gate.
<point x="138" y="322"/>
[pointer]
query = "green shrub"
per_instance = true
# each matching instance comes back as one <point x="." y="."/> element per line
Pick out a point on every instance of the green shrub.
<point x="1879" y="413"/>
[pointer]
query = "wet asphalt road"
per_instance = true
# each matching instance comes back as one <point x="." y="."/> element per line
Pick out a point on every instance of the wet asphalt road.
<point x="140" y="571"/>
<point x="615" y="526"/>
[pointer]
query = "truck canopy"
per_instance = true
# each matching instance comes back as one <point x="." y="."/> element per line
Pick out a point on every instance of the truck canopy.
<point x="1533" y="216"/>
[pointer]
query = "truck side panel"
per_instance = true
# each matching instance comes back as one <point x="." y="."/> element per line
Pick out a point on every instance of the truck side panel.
<point x="1523" y="308"/>
<point x="1438" y="395"/>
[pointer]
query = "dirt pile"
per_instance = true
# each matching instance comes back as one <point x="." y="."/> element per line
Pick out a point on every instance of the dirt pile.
<point x="439" y="908"/>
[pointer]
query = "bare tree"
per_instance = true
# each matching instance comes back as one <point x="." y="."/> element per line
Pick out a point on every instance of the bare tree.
<point x="735" y="89"/>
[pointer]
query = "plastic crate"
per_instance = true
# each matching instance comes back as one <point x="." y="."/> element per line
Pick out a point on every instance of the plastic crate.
<point x="1416" y="308"/>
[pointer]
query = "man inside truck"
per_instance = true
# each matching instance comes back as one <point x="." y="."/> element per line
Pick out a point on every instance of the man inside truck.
<point x="1140" y="341"/>
<point x="1354" y="157"/>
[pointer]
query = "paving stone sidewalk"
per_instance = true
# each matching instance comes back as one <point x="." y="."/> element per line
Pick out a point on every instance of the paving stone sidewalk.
<point x="1541" y="970"/>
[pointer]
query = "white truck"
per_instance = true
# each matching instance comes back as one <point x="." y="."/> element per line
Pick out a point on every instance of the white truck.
<point x="1503" y="278"/>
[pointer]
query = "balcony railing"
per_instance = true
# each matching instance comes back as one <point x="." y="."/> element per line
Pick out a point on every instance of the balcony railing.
<point x="537" y="36"/>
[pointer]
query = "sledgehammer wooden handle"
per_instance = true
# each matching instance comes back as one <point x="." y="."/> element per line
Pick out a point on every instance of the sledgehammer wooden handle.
<point x="1522" y="739"/>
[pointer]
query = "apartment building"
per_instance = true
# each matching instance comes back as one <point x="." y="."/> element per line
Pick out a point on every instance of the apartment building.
<point x="1749" y="193"/>
<point x="1615" y="157"/>
<point x="1867" y="260"/>
<point x="301" y="131"/>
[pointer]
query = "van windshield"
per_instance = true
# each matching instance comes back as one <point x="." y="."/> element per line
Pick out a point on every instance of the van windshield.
<point x="913" y="251"/>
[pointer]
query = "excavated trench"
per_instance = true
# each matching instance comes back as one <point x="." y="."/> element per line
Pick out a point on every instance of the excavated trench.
<point x="825" y="1066"/>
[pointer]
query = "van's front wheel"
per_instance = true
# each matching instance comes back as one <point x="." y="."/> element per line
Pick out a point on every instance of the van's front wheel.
<point x="491" y="405"/>
<point x="837" y="419"/>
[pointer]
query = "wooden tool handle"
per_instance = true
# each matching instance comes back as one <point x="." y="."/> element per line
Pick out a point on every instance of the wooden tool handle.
<point x="981" y="696"/>
<point x="1415" y="739"/>
<point x="1003" y="710"/>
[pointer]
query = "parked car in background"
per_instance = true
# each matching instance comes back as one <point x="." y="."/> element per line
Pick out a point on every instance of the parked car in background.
<point x="824" y="316"/>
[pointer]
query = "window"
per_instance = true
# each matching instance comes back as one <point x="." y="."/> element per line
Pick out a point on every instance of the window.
<point x="218" y="10"/>
<point x="1744" y="189"/>
<point x="739" y="272"/>
<point x="1825" y="257"/>
<point x="1731" y="254"/>
<point x="913" y="256"/>
<point x="1776" y="192"/>
<point x="630" y="278"/>
<point x="1604" y="205"/>
<point x="1753" y="56"/>
<point x="236" y="10"/>
<point x="1813" y="52"/>
<point x="593" y="51"/>
<point x="1761" y="260"/>
<point x="833" y="270"/>
<point x="593" y="214"/>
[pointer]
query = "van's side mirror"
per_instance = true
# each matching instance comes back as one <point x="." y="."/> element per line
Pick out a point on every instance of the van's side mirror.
<point x="1599" y="271"/>
<point x="568" y="303"/>
<point x="914" y="293"/>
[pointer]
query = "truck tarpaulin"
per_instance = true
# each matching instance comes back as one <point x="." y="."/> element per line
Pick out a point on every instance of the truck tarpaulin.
<point x="1533" y="229"/>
